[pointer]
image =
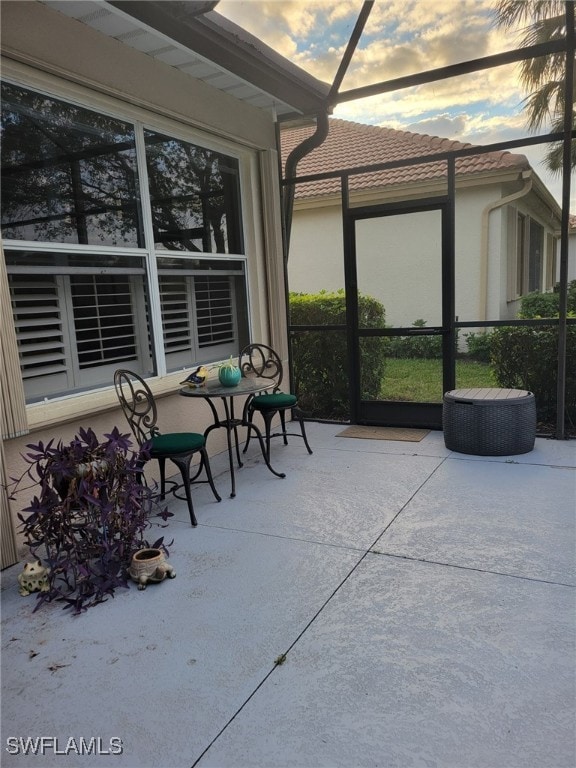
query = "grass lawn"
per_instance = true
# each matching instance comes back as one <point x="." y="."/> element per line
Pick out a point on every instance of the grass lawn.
<point x="418" y="380"/>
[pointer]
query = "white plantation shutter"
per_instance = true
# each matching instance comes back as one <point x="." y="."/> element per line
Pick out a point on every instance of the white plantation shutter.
<point x="103" y="319"/>
<point x="74" y="330"/>
<point x="37" y="306"/>
<point x="198" y="316"/>
<point x="177" y="313"/>
<point x="214" y="310"/>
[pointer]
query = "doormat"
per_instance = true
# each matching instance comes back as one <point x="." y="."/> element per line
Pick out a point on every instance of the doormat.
<point x="385" y="433"/>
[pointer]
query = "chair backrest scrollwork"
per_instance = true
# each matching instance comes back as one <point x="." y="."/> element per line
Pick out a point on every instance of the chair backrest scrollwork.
<point x="261" y="361"/>
<point x="137" y="402"/>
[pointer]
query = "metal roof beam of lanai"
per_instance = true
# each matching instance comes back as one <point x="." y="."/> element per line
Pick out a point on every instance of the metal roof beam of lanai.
<point x="452" y="70"/>
<point x="230" y="47"/>
<point x="350" y="48"/>
<point x="569" y="85"/>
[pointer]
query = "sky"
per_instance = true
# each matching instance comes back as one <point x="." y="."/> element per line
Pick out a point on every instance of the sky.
<point x="404" y="37"/>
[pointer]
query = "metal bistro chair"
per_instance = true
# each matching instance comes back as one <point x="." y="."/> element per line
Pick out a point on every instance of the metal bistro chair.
<point x="139" y="406"/>
<point x="258" y="360"/>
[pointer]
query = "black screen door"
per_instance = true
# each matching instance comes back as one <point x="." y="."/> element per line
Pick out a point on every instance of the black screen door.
<point x="398" y="259"/>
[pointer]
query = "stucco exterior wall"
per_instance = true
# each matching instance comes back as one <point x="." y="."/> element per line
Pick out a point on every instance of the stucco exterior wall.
<point x="407" y="279"/>
<point x="571" y="257"/>
<point x="405" y="253"/>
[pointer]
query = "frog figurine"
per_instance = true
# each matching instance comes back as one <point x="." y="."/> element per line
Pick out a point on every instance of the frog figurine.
<point x="34" y="578"/>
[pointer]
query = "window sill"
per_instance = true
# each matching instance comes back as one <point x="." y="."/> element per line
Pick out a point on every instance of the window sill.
<point x="51" y="413"/>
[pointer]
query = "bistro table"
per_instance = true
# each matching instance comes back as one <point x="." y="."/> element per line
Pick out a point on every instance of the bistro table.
<point x="213" y="390"/>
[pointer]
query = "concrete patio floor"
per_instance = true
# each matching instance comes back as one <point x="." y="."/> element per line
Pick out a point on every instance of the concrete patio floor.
<point x="422" y="604"/>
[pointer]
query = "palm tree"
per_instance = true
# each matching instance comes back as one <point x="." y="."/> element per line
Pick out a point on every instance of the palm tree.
<point x="543" y="77"/>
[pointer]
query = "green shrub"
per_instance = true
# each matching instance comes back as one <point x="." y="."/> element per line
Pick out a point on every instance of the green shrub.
<point x="479" y="346"/>
<point x="421" y="347"/>
<point x="537" y="304"/>
<point x="320" y="358"/>
<point x="527" y="358"/>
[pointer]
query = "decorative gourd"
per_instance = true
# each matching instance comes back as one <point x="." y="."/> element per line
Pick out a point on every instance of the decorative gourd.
<point x="229" y="374"/>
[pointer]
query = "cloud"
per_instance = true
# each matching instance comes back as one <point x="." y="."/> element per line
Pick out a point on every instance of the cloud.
<point x="292" y="26"/>
<point x="482" y="96"/>
<point x="446" y="125"/>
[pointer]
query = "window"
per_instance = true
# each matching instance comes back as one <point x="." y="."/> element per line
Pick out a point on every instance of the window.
<point x="76" y="323"/>
<point x="81" y="244"/>
<point x="68" y="174"/>
<point x="535" y="256"/>
<point x="200" y="309"/>
<point x="520" y="252"/>
<point x="194" y="196"/>
<point x="551" y="261"/>
<point x="531" y="271"/>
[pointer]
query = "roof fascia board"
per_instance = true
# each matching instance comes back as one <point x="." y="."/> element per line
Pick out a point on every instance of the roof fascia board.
<point x="233" y="49"/>
<point x="412" y="190"/>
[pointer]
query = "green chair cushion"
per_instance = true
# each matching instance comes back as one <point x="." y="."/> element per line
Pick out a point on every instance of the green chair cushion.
<point x="177" y="442"/>
<point x="266" y="402"/>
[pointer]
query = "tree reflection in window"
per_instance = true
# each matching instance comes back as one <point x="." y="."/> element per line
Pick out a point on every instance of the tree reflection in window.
<point x="69" y="174"/>
<point x="194" y="197"/>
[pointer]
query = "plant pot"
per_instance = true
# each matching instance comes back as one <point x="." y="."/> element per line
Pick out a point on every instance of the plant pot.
<point x="149" y="565"/>
<point x="229" y="375"/>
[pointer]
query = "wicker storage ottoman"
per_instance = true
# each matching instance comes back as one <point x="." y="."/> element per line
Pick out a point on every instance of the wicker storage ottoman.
<point x="489" y="422"/>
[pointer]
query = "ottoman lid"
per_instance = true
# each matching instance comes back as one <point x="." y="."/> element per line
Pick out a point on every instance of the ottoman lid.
<point x="485" y="395"/>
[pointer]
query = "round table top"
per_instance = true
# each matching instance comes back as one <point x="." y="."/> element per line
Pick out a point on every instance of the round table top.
<point x="213" y="388"/>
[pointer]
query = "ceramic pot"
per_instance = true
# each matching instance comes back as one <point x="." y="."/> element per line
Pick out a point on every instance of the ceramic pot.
<point x="150" y="565"/>
<point x="229" y="375"/>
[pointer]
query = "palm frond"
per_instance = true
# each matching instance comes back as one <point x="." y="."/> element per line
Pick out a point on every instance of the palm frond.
<point x="544" y="105"/>
<point x="511" y="13"/>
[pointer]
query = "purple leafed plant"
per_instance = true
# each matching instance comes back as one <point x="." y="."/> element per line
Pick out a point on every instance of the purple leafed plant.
<point x="89" y="516"/>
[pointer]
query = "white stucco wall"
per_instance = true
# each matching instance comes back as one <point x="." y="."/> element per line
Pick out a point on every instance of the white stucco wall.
<point x="405" y="272"/>
<point x="571" y="257"/>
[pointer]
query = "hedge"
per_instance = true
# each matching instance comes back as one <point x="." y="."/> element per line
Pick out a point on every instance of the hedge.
<point x="527" y="357"/>
<point x="320" y="358"/>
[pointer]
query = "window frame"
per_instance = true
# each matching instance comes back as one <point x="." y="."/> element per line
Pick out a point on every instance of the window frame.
<point x="521" y="225"/>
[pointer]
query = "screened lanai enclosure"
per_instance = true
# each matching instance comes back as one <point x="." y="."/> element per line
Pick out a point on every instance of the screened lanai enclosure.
<point x="417" y="265"/>
<point x="413" y="263"/>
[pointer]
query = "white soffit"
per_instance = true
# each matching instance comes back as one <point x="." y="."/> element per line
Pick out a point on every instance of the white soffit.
<point x="115" y="23"/>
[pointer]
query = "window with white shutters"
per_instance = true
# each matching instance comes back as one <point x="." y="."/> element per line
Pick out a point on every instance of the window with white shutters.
<point x="530" y="269"/>
<point x="200" y="321"/>
<point x="73" y="331"/>
<point x="80" y="246"/>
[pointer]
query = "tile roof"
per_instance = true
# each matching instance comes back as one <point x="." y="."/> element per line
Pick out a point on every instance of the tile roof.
<point x="350" y="145"/>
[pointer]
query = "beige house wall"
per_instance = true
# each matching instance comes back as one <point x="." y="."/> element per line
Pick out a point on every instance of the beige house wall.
<point x="45" y="50"/>
<point x="408" y="283"/>
<point x="316" y="260"/>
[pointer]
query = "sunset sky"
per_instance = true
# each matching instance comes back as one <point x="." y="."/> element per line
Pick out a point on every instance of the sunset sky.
<point x="404" y="37"/>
